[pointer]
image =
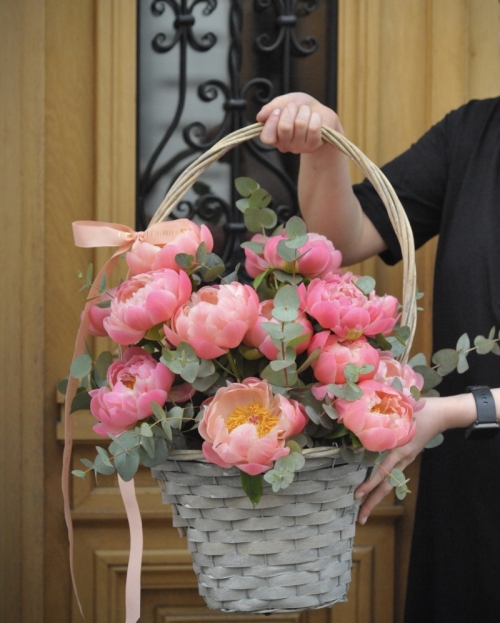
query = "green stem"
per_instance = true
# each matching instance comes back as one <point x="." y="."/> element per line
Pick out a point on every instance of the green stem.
<point x="234" y="368"/>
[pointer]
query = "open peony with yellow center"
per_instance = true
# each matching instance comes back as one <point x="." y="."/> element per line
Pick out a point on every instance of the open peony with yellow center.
<point x="246" y="425"/>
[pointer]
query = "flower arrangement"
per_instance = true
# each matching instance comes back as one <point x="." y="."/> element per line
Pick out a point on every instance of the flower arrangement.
<point x="252" y="373"/>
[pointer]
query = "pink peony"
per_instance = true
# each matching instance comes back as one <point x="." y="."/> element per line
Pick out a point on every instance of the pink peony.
<point x="145" y="257"/>
<point x="134" y="383"/>
<point x="382" y="418"/>
<point x="318" y="257"/>
<point x="246" y="425"/>
<point x="390" y="368"/>
<point x="98" y="314"/>
<point x="337" y="304"/>
<point x="258" y="337"/>
<point x="215" y="319"/>
<point x="336" y="353"/>
<point x="145" y="301"/>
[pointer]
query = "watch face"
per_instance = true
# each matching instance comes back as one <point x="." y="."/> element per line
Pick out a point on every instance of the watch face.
<point x="482" y="431"/>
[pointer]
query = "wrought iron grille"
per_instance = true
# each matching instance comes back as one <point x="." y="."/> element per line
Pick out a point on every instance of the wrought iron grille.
<point x="205" y="68"/>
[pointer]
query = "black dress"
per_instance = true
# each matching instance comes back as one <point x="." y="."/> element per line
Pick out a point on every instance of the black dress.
<point x="449" y="184"/>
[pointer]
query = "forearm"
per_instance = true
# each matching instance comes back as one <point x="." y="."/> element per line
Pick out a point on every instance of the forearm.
<point x="460" y="411"/>
<point x="330" y="207"/>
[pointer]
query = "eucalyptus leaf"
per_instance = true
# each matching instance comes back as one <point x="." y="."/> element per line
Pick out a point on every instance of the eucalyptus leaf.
<point x="202" y="384"/>
<point x="103" y="362"/>
<point x="446" y="359"/>
<point x="463" y="343"/>
<point x="148" y="443"/>
<point x="463" y="364"/>
<point x="431" y="377"/>
<point x="347" y="454"/>
<point x="296" y="243"/>
<point x="285" y="314"/>
<point x="295" y="227"/>
<point x="79" y="473"/>
<point x="80" y="402"/>
<point x="256" y="247"/>
<point x="299" y="459"/>
<point x="331" y="411"/>
<point x="273" y="329"/>
<point x="103" y="455"/>
<point x="146" y="430"/>
<point x="104" y="304"/>
<point x="201" y="253"/>
<point x="418" y="360"/>
<point x="292" y="331"/>
<point x="293" y="445"/>
<point x="260" y="198"/>
<point x="127" y="463"/>
<point x="165" y="424"/>
<point x="483" y="345"/>
<point x="160" y="454"/>
<point x="184" y="260"/>
<point x="285" y="252"/>
<point x="103" y="283"/>
<point x="246" y="186"/>
<point x="281" y="364"/>
<point x="283" y="277"/>
<point x="396" y="383"/>
<point x="81" y="366"/>
<point x="287" y="297"/>
<point x="396" y="478"/>
<point x="62" y="386"/>
<point x="366" y="284"/>
<point x="189" y="372"/>
<point x="352" y="392"/>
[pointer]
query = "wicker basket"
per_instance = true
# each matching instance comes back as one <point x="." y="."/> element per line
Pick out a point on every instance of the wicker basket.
<point x="294" y="551"/>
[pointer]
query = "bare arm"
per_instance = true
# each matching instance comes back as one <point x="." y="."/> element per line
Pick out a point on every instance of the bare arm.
<point x="328" y="204"/>
<point x="438" y="415"/>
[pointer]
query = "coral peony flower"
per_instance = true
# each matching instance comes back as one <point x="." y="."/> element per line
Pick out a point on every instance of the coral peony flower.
<point x="215" y="319"/>
<point x="337" y="304"/>
<point x="134" y="383"/>
<point x="145" y="301"/>
<point x="382" y="418"/>
<point x="259" y="338"/>
<point x="318" y="257"/>
<point x="246" y="425"/>
<point x="98" y="314"/>
<point x="336" y="353"/>
<point x="145" y="257"/>
<point x="390" y="368"/>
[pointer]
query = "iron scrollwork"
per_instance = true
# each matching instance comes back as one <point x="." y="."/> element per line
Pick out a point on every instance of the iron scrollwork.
<point x="220" y="214"/>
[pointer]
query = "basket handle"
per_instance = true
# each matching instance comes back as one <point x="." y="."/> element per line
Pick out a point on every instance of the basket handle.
<point x="381" y="184"/>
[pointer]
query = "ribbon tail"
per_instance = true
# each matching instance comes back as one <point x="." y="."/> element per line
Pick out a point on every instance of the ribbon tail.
<point x="68" y="422"/>
<point x="133" y="584"/>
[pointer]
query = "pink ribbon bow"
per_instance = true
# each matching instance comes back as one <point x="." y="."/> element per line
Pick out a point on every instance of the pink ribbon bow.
<point x="90" y="234"/>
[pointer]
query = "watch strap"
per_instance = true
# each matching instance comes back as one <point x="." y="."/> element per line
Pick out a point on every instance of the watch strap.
<point x="486" y="425"/>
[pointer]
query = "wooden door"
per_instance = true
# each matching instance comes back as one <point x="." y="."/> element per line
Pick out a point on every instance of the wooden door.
<point x="67" y="84"/>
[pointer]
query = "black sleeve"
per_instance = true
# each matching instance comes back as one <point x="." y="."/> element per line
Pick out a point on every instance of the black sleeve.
<point x="419" y="177"/>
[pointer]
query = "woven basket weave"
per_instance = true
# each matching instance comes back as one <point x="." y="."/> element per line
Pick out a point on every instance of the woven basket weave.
<point x="294" y="551"/>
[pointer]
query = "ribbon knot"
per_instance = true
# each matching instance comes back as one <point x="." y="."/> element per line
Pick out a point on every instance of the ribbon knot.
<point x="89" y="234"/>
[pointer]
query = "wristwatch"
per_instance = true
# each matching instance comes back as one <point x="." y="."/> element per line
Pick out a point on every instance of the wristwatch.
<point x="486" y="426"/>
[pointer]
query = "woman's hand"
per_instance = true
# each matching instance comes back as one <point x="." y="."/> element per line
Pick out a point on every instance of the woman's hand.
<point x="293" y="123"/>
<point x="430" y="421"/>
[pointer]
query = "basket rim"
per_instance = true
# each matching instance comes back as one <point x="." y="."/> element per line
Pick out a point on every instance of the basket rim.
<point x="197" y="455"/>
